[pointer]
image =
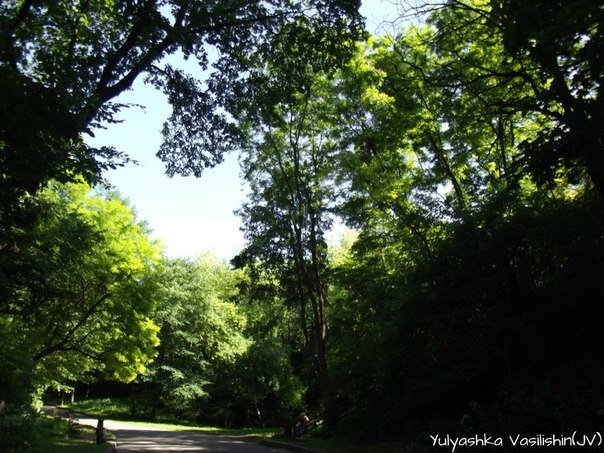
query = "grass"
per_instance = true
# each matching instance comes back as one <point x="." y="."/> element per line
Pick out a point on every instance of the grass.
<point x="113" y="408"/>
<point x="53" y="435"/>
<point x="247" y="432"/>
<point x="116" y="409"/>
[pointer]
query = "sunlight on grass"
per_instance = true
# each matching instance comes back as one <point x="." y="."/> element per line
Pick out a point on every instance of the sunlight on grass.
<point x="252" y="432"/>
<point x="116" y="409"/>
<point x="104" y="407"/>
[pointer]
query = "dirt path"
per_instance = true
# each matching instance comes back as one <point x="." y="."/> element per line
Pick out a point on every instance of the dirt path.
<point x="135" y="438"/>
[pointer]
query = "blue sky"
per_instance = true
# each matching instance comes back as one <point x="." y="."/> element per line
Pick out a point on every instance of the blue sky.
<point x="188" y="215"/>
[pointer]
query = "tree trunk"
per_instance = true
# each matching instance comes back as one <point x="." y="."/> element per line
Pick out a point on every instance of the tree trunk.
<point x="595" y="169"/>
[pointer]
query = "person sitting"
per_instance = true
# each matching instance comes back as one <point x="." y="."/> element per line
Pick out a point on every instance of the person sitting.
<point x="303" y="424"/>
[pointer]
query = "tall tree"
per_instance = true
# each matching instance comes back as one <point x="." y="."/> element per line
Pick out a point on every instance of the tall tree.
<point x="288" y="213"/>
<point x="288" y="160"/>
<point x="64" y="64"/>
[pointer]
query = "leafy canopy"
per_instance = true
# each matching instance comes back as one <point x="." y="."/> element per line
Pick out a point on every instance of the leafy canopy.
<point x="64" y="64"/>
<point x="82" y="288"/>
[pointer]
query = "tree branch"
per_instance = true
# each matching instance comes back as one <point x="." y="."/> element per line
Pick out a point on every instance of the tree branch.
<point x="61" y="344"/>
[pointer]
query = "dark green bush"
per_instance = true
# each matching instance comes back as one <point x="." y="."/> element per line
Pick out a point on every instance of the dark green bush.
<point x="16" y="430"/>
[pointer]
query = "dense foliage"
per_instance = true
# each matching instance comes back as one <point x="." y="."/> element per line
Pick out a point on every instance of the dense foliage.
<point x="464" y="154"/>
<point x="458" y="151"/>
<point x="64" y="64"/>
<point x="77" y="296"/>
<point x="213" y="365"/>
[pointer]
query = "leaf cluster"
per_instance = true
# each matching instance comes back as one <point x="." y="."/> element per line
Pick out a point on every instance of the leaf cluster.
<point x="79" y="289"/>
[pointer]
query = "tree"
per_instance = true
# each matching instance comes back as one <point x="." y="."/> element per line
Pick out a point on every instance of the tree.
<point x="64" y="64"/>
<point x="222" y="358"/>
<point x="434" y="128"/>
<point x="269" y="382"/>
<point x="286" y="160"/>
<point x="202" y="332"/>
<point x="464" y="283"/>
<point x="553" y="51"/>
<point x="82" y="288"/>
<point x="260" y="388"/>
<point x="289" y="169"/>
<point x="562" y="41"/>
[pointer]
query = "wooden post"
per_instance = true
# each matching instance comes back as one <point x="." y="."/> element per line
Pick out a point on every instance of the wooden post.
<point x="100" y="432"/>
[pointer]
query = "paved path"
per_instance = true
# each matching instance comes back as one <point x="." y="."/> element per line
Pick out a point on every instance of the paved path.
<point x="135" y="438"/>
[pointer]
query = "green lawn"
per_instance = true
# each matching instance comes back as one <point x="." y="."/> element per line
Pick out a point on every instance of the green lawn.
<point x="248" y="432"/>
<point x="116" y="409"/>
<point x="53" y="435"/>
<point x="113" y="408"/>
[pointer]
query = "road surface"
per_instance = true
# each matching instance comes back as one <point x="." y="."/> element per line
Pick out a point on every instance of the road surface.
<point x="136" y="438"/>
